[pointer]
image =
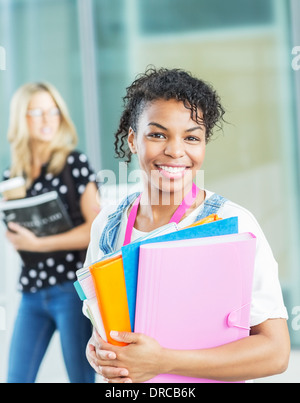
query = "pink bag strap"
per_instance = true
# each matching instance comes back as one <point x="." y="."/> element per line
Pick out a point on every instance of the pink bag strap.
<point x="131" y="220"/>
<point x="186" y="203"/>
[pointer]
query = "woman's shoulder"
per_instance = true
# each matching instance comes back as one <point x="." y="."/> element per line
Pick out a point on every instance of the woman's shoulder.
<point x="82" y="172"/>
<point x="94" y="253"/>
<point x="112" y="211"/>
<point x="247" y="220"/>
<point x="102" y="217"/>
<point x="76" y="157"/>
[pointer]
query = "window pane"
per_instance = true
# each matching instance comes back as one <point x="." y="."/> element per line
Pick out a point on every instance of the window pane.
<point x="172" y="16"/>
<point x="40" y="50"/>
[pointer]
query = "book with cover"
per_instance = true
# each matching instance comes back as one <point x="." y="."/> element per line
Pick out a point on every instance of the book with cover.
<point x="43" y="215"/>
<point x="130" y="252"/>
<point x="85" y="285"/>
<point x="86" y="292"/>
<point x="109" y="283"/>
<point x="195" y="294"/>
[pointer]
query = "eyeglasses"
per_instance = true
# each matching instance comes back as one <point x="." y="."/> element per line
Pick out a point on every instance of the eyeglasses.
<point x="39" y="113"/>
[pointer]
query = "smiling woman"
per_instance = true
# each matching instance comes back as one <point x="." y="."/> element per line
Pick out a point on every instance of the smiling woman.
<point x="43" y="139"/>
<point x="167" y="121"/>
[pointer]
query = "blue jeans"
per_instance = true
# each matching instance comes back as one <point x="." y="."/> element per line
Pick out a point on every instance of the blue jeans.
<point x="40" y="314"/>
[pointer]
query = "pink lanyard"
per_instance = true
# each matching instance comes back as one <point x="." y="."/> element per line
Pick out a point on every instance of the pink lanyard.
<point x="177" y="216"/>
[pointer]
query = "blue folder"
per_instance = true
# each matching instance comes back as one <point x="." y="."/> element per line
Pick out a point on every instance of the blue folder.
<point x="130" y="252"/>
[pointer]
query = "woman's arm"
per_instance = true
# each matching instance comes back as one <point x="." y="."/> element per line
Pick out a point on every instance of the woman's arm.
<point x="264" y="353"/>
<point x="75" y="239"/>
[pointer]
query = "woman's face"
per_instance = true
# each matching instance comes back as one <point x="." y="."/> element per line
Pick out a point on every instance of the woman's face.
<point x="43" y="117"/>
<point x="170" y="146"/>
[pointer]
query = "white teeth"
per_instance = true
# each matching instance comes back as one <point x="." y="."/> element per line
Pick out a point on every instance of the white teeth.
<point x="172" y="170"/>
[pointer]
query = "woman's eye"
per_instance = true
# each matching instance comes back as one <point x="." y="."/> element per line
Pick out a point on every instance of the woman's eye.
<point x="192" y="139"/>
<point x="156" y="135"/>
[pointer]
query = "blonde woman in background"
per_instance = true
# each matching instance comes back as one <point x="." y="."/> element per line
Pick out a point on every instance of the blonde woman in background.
<point x="43" y="141"/>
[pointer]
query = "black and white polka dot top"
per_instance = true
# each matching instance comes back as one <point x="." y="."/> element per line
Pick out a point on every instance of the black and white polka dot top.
<point x="49" y="269"/>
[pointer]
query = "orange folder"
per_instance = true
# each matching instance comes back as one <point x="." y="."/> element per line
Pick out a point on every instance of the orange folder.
<point x="109" y="282"/>
<point x="206" y="220"/>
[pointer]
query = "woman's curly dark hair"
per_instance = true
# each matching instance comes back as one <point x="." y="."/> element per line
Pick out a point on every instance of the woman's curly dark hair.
<point x="167" y="84"/>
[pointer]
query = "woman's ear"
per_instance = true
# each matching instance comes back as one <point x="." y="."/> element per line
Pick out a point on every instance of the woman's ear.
<point x="132" y="141"/>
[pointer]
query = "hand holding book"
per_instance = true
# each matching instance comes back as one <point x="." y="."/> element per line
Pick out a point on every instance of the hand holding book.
<point x="44" y="214"/>
<point x="22" y="238"/>
<point x="117" y="362"/>
<point x="31" y="218"/>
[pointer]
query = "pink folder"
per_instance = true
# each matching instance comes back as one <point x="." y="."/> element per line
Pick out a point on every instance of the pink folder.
<point x="195" y="294"/>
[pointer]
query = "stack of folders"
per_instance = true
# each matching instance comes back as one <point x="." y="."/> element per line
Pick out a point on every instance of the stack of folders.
<point x="102" y="289"/>
<point x="188" y="289"/>
<point x="90" y="288"/>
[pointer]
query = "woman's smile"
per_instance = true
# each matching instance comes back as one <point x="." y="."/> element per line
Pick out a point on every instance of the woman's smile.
<point x="172" y="171"/>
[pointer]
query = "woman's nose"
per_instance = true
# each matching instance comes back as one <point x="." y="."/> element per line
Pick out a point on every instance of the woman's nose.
<point x="45" y="117"/>
<point x="175" y="148"/>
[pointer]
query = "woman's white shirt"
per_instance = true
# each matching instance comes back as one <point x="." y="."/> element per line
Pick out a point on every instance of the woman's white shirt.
<point x="267" y="301"/>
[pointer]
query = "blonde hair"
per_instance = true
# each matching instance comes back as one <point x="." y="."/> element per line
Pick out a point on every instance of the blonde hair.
<point x="63" y="143"/>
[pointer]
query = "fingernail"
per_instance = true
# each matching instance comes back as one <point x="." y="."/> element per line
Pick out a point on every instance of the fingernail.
<point x="124" y="372"/>
<point x="113" y="333"/>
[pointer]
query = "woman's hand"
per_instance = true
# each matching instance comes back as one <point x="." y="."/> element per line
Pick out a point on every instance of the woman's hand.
<point x="76" y="238"/>
<point x="95" y="354"/>
<point x="139" y="361"/>
<point x="22" y="238"/>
